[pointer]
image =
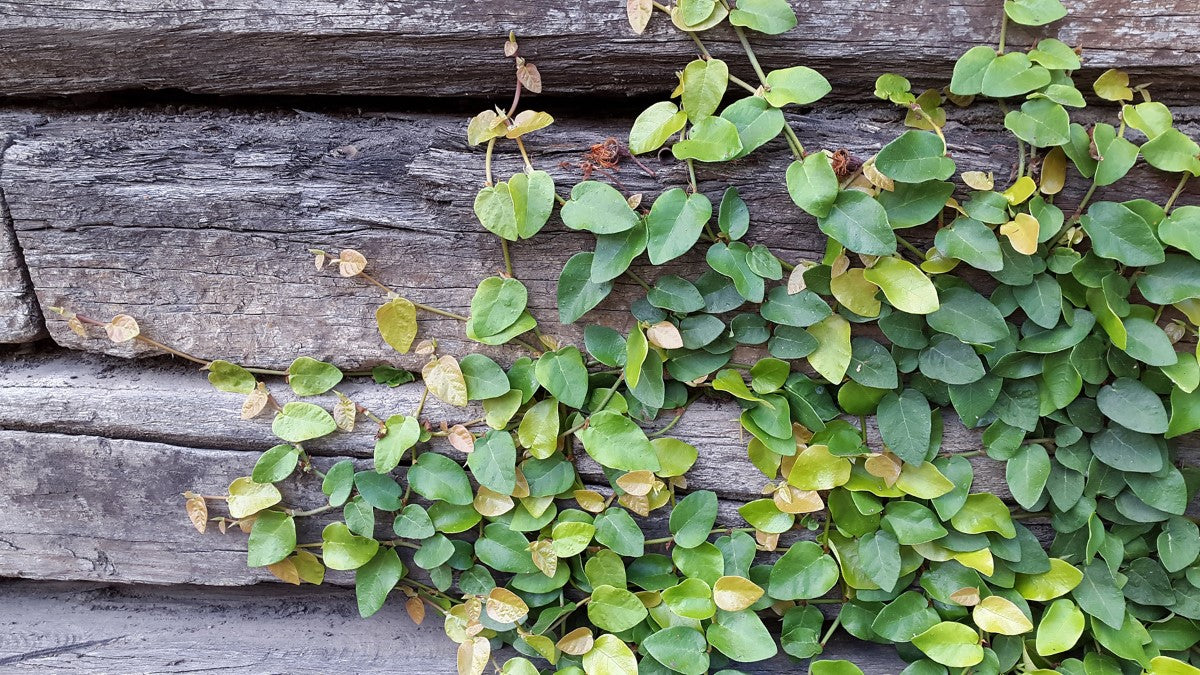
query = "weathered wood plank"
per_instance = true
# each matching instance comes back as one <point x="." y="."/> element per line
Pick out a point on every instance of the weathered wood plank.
<point x="197" y="221"/>
<point x="20" y="318"/>
<point x="266" y="628"/>
<point x="170" y="403"/>
<point x="451" y="47"/>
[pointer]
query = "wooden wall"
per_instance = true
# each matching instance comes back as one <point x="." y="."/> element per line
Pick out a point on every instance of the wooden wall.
<point x="174" y="161"/>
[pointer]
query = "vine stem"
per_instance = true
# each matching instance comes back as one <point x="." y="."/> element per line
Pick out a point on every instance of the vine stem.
<point x="692" y="176"/>
<point x="640" y="281"/>
<point x="487" y="162"/>
<point x="508" y="268"/>
<point x="699" y="45"/>
<point x="423" y="308"/>
<point x="1183" y="180"/>
<point x="837" y="621"/>
<point x="743" y="84"/>
<point x="715" y="530"/>
<point x="612" y="391"/>
<point x="562" y="619"/>
<point x="916" y="107"/>
<point x="908" y="245"/>
<point x="310" y="512"/>
<point x="524" y="155"/>
<point x="1003" y="30"/>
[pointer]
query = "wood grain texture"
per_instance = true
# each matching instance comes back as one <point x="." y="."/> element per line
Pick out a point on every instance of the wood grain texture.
<point x="267" y="628"/>
<point x="20" y="317"/>
<point x="197" y="221"/>
<point x="389" y="47"/>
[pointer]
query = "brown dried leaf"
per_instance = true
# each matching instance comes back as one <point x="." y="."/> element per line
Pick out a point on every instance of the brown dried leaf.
<point x="791" y="499"/>
<point x="504" y="606"/>
<point x="444" y="379"/>
<point x="255" y="402"/>
<point x="528" y="121"/>
<point x="318" y="258"/>
<point x="351" y="263"/>
<point x="285" y="571"/>
<point x="491" y="504"/>
<point x="415" y="609"/>
<point x="885" y="466"/>
<point x="461" y="439"/>
<point x="578" y="642"/>
<point x="766" y="541"/>
<point x="197" y="511"/>
<point x="122" y="328"/>
<point x="521" y="491"/>
<point x="510" y="46"/>
<point x="76" y="326"/>
<point x="664" y="335"/>
<point x="733" y="593"/>
<point x="345" y="412"/>
<point x="639" y="13"/>
<point x="978" y="180"/>
<point x="967" y="597"/>
<point x="473" y="656"/>
<point x="589" y="500"/>
<point x="639" y="505"/>
<point x="876" y="177"/>
<point x="839" y="266"/>
<point x="542" y="552"/>
<point x="637" y="483"/>
<point x="528" y="75"/>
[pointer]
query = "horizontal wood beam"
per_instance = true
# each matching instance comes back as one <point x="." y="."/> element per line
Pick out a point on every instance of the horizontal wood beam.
<point x="197" y="222"/>
<point x="452" y="47"/>
<point x="138" y="629"/>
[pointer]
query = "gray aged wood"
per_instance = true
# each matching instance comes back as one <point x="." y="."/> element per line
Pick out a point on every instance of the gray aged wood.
<point x="20" y="318"/>
<point x="197" y="221"/>
<point x="382" y="47"/>
<point x="177" y="629"/>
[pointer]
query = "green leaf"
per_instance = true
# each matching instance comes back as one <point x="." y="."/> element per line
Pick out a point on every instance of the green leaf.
<point x="413" y="523"/>
<point x="299" y="422"/>
<point x="610" y="656"/>
<point x="693" y="517"/>
<point x="1034" y="12"/>
<point x="496" y="212"/>
<point x="812" y="184"/>
<point x="563" y="374"/>
<point x="951" y="644"/>
<point x="969" y="70"/>
<point x="680" y="648"/>
<point x="379" y="490"/>
<point x="799" y="84"/>
<point x="310" y="377"/>
<point x="733" y="217"/>
<point x="913" y="204"/>
<point x="712" y="139"/>
<point x="1098" y="595"/>
<point x="1000" y="616"/>
<point x="1041" y="300"/>
<point x="1133" y="405"/>
<point x="399" y="434"/>
<point x="374" y="580"/>
<point x="1117" y="155"/>
<point x="765" y="16"/>
<point x="230" y="377"/>
<point x="834" y="667"/>
<point x="859" y="223"/>
<point x="950" y="360"/>
<point x="616" y="529"/>
<point x="496" y="305"/>
<point x="435" y="476"/>
<point x="503" y="549"/>
<point x="272" y="538"/>
<point x="484" y="377"/>
<point x="972" y="242"/>
<point x="879" y="557"/>
<point x="675" y="223"/>
<point x="915" y="157"/>
<point x="704" y="83"/>
<point x="1040" y="122"/>
<point x="1172" y="151"/>
<point x="1060" y="579"/>
<point x="904" y="284"/>
<point x="1127" y="450"/>
<point x="1061" y="627"/>
<point x="1178" y="544"/>
<point x="615" y="252"/>
<point x="756" y="121"/>
<point x="524" y="322"/>
<point x="984" y="512"/>
<point x="741" y="636"/>
<point x="344" y="550"/>
<point x="494" y="461"/>
<point x="1122" y="235"/>
<point x="614" y="441"/>
<point x="1181" y="229"/>
<point x="1027" y="472"/>
<point x="1013" y="74"/>
<point x="1174" y="280"/>
<point x="731" y="261"/>
<point x="968" y="316"/>
<point x="533" y="201"/>
<point x="832" y="356"/>
<point x="577" y="293"/>
<point x="276" y="464"/>
<point x="801" y="309"/>
<point x="676" y="294"/>
<point x="906" y="424"/>
<point x="654" y="126"/>
<point x="871" y="364"/>
<point x="904" y="618"/>
<point x="804" y="572"/>
<point x="598" y="208"/>
<point x="615" y="609"/>
<point x="397" y="321"/>
<point x="1055" y="55"/>
<point x="912" y="524"/>
<point x="538" y="431"/>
